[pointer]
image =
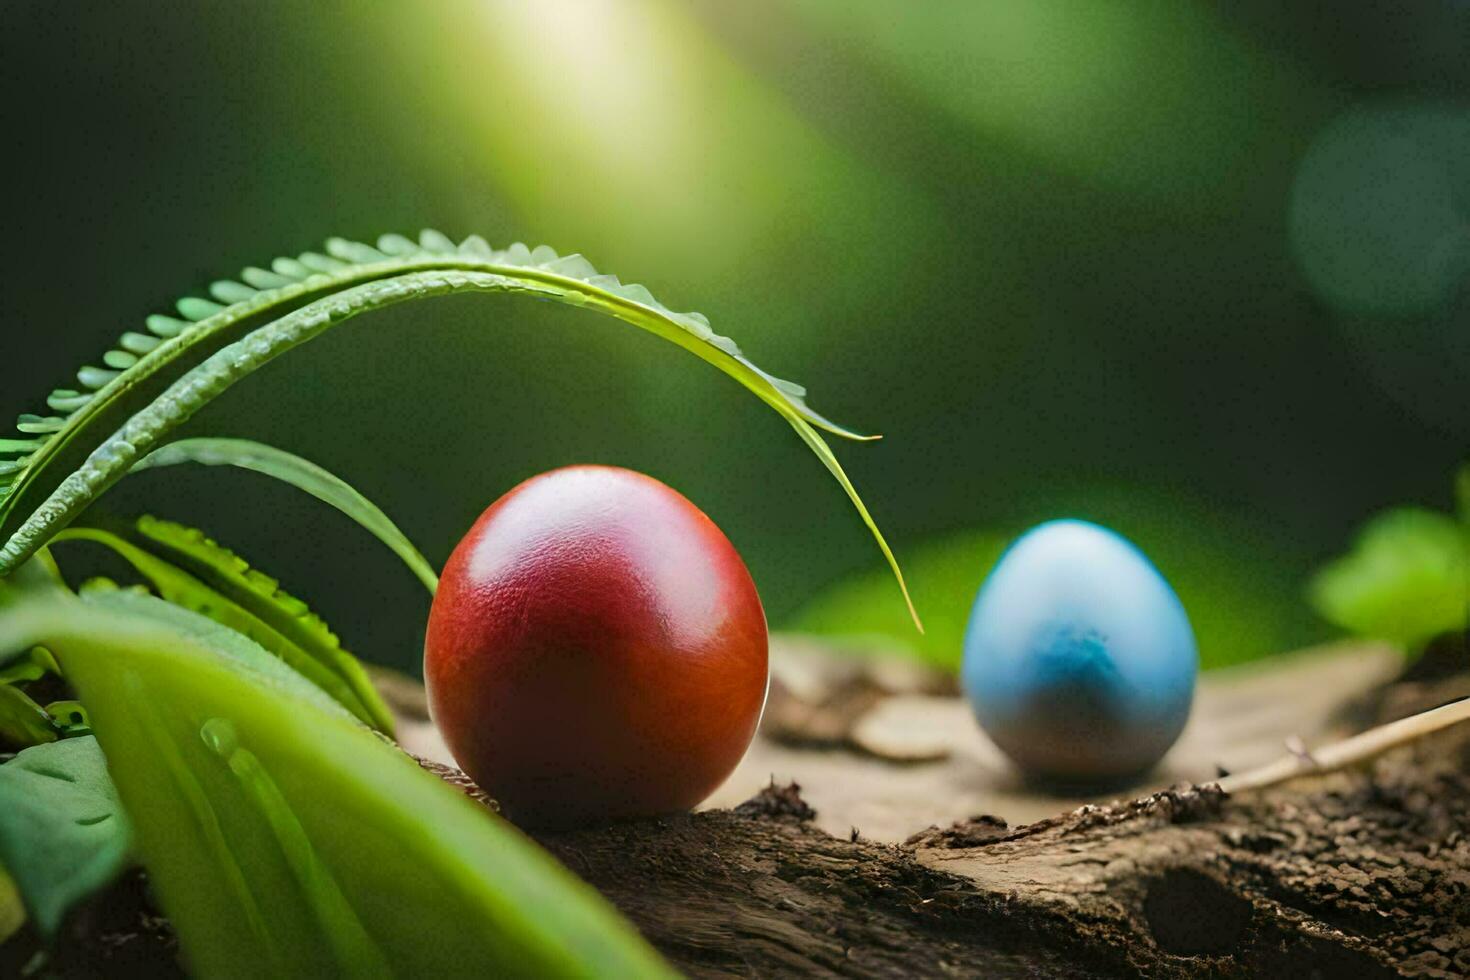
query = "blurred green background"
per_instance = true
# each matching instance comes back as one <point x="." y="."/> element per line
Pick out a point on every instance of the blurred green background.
<point x="1198" y="270"/>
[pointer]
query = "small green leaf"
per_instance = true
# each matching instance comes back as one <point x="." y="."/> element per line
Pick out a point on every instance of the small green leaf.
<point x="304" y="475"/>
<point x="31" y="667"/>
<point x="70" y="717"/>
<point x="282" y="838"/>
<point x="22" y="720"/>
<point x="63" y="833"/>
<point x="1406" y="580"/>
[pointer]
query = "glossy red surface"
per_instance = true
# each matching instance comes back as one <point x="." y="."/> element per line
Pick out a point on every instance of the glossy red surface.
<point x="596" y="650"/>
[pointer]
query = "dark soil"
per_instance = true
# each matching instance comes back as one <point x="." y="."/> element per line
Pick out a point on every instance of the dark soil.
<point x="117" y="933"/>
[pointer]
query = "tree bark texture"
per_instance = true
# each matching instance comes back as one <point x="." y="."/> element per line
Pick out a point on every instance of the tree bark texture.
<point x="1361" y="873"/>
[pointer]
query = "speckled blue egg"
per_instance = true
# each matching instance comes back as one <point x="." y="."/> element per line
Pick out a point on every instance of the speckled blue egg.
<point x="1079" y="658"/>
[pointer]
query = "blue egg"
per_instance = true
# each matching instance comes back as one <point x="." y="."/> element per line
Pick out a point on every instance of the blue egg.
<point x="1079" y="658"/>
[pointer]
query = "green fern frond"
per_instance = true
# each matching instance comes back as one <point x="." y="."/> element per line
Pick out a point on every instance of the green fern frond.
<point x="263" y="596"/>
<point x="151" y="382"/>
<point x="192" y="571"/>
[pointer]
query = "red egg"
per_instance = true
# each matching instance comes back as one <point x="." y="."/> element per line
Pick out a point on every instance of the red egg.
<point x="596" y="650"/>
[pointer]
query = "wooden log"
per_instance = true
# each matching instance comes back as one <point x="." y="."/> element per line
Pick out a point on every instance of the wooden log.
<point x="1360" y="873"/>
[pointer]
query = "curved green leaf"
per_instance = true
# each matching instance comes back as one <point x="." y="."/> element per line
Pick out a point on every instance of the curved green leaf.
<point x="195" y="573"/>
<point x="158" y="381"/>
<point x="304" y="475"/>
<point x="63" y="833"/>
<point x="284" y="839"/>
<point x="862" y="613"/>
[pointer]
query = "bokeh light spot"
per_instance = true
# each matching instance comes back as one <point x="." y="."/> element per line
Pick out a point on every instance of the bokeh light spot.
<point x="1380" y="211"/>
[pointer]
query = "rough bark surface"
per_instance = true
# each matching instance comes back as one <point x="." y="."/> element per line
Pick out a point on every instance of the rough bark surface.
<point x="1359" y="875"/>
<point x="1352" y="874"/>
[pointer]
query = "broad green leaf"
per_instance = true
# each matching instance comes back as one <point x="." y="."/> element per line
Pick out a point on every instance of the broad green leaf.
<point x="304" y="475"/>
<point x="68" y="460"/>
<point x="282" y="838"/>
<point x="1406" y="579"/>
<point x="198" y="575"/>
<point x="63" y="833"/>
